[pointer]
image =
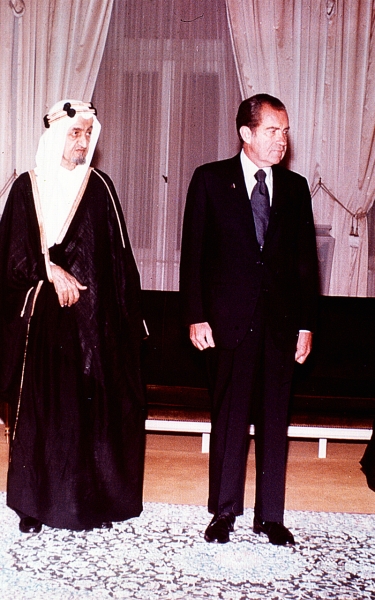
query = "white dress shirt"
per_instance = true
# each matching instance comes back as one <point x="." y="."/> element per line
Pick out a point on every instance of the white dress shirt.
<point x="249" y="170"/>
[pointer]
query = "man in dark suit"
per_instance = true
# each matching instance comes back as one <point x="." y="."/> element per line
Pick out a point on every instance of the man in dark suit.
<point x="249" y="286"/>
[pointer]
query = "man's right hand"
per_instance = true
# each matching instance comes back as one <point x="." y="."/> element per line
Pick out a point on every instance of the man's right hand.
<point x="66" y="286"/>
<point x="201" y="336"/>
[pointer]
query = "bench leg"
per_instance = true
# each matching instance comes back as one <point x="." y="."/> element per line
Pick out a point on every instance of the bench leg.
<point x="6" y="419"/>
<point x="322" y="450"/>
<point x="205" y="443"/>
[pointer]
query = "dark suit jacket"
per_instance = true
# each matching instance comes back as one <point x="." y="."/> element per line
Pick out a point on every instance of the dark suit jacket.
<point x="224" y="273"/>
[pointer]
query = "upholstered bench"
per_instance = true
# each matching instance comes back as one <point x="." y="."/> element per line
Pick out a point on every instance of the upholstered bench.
<point x="177" y="418"/>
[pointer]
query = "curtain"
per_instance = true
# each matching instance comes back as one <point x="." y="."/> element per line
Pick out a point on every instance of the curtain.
<point x="50" y="51"/>
<point x="318" y="58"/>
<point x="6" y="164"/>
<point x="167" y="95"/>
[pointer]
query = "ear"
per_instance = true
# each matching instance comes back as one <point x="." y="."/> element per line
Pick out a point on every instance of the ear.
<point x="245" y="133"/>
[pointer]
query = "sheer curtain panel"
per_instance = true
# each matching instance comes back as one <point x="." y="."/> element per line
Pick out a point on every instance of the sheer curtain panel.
<point x="167" y="95"/>
<point x="318" y="58"/>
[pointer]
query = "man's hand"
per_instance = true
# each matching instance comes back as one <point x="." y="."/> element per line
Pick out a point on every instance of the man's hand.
<point x="304" y="344"/>
<point x="67" y="287"/>
<point x="201" y="336"/>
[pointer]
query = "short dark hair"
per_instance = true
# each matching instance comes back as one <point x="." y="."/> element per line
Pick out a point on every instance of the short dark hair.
<point x="250" y="110"/>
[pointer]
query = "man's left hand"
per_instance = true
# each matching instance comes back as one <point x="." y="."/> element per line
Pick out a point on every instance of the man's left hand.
<point x="304" y="344"/>
<point x="67" y="287"/>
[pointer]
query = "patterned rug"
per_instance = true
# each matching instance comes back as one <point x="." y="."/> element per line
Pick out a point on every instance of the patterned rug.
<point x="162" y="555"/>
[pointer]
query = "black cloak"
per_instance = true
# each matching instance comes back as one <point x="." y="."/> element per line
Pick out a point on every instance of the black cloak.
<point x="72" y="374"/>
<point x="368" y="461"/>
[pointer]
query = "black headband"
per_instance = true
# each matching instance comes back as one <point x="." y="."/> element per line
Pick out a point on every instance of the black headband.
<point x="69" y="110"/>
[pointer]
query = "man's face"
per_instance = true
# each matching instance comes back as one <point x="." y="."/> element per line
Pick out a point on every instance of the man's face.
<point x="77" y="143"/>
<point x="266" y="145"/>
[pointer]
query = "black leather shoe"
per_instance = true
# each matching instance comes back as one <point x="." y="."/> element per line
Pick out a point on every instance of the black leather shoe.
<point x="219" y="528"/>
<point x="30" y="525"/>
<point x="106" y="525"/>
<point x="277" y="533"/>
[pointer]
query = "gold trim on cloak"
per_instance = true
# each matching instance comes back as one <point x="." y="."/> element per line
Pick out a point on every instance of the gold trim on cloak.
<point x="114" y="207"/>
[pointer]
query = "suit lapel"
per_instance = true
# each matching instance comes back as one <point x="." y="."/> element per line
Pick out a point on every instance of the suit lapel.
<point x="279" y="197"/>
<point x="238" y="194"/>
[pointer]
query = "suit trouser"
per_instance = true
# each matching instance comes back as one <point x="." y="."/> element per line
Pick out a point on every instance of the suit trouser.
<point x="251" y="382"/>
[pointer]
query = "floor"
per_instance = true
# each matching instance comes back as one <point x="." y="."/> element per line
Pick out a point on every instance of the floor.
<point x="176" y="472"/>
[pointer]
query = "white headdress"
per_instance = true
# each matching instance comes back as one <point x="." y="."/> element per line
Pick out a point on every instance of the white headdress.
<point x="58" y="187"/>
